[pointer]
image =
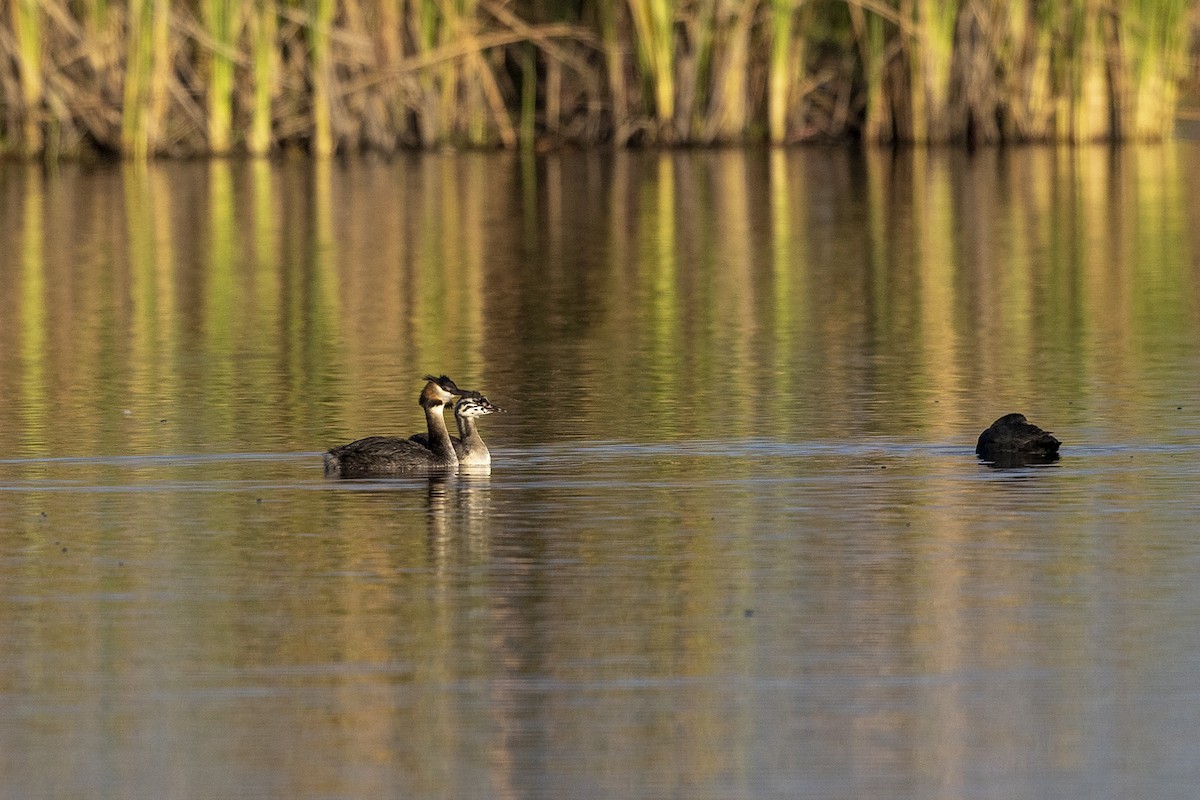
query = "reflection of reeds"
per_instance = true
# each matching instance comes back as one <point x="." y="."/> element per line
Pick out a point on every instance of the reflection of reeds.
<point x="32" y="315"/>
<point x="165" y="76"/>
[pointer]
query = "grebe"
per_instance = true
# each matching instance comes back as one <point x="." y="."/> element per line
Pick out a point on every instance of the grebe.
<point x="1014" y="438"/>
<point x="377" y="456"/>
<point x="468" y="445"/>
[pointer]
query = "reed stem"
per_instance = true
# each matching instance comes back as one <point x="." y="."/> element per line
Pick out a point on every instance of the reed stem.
<point x="27" y="27"/>
<point x="931" y="61"/>
<point x="778" y="76"/>
<point x="149" y="77"/>
<point x="1091" y="99"/>
<point x="263" y="27"/>
<point x="652" y="25"/>
<point x="139" y="64"/>
<point x="321" y="12"/>
<point x="730" y="109"/>
<point x="220" y="19"/>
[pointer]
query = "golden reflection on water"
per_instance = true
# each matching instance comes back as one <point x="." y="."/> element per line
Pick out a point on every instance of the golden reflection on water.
<point x="321" y="291"/>
<point x="703" y="300"/>
<point x="31" y="312"/>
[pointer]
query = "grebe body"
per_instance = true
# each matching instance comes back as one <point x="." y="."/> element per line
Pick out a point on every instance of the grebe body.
<point x="383" y="456"/>
<point x="1012" y="437"/>
<point x="468" y="445"/>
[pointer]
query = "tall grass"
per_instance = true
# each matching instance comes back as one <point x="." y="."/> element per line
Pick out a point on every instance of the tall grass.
<point x="263" y="27"/>
<point x="221" y="18"/>
<point x="780" y="69"/>
<point x="139" y="61"/>
<point x="321" y="76"/>
<point x="1090" y="105"/>
<point x="1154" y="37"/>
<point x="153" y="77"/>
<point x="873" y="52"/>
<point x="931" y="59"/>
<point x="1028" y="41"/>
<point x="27" y="33"/>
<point x="728" y="116"/>
<point x="653" y="22"/>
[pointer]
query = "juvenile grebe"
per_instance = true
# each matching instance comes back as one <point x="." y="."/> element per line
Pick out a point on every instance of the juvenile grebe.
<point x="468" y="445"/>
<point x="1014" y="438"/>
<point x="377" y="456"/>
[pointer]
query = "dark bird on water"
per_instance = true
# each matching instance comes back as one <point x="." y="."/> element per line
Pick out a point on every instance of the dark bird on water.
<point x="1014" y="438"/>
<point x="384" y="456"/>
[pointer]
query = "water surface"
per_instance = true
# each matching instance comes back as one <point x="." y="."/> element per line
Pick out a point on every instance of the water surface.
<point x="734" y="543"/>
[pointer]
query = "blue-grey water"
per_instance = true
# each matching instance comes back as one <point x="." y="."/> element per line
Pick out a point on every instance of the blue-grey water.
<point x="735" y="542"/>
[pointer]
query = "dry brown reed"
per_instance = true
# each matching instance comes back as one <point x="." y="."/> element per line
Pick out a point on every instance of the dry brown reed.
<point x="168" y="77"/>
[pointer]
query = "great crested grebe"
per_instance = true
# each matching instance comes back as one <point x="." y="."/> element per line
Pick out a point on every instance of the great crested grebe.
<point x="379" y="456"/>
<point x="468" y="445"/>
<point x="1014" y="438"/>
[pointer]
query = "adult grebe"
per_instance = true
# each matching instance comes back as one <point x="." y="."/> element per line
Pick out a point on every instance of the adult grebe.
<point x="468" y="445"/>
<point x="1014" y="438"/>
<point x="381" y="456"/>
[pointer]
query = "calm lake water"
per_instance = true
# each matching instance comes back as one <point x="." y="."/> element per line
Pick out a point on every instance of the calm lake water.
<point x="734" y="543"/>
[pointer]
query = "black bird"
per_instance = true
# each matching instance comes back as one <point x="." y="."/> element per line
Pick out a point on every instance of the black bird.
<point x="385" y="456"/>
<point x="1012" y="438"/>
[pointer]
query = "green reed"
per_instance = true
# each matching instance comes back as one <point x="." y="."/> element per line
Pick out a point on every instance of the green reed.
<point x="426" y="24"/>
<point x="1090" y="97"/>
<point x="1027" y="42"/>
<point x="779" y="79"/>
<point x="870" y="32"/>
<point x="27" y="32"/>
<point x="1154" y="33"/>
<point x="653" y="22"/>
<point x="263" y="27"/>
<point x="220" y="18"/>
<point x="139" y="64"/>
<point x="148" y="77"/>
<point x="320" y="75"/>
<point x="728" y="116"/>
<point x="930" y="53"/>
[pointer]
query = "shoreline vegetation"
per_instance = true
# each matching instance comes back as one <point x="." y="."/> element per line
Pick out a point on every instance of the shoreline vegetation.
<point x="142" y="78"/>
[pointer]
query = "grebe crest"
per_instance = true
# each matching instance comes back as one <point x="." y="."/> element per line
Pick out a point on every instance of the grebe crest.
<point x="449" y="389"/>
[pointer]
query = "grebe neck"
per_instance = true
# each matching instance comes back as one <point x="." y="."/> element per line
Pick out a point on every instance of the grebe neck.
<point x="439" y="435"/>
<point x="469" y="434"/>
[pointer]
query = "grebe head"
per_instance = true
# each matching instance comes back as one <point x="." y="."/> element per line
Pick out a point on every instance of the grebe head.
<point x="475" y="405"/>
<point x="448" y="387"/>
<point x="435" y="394"/>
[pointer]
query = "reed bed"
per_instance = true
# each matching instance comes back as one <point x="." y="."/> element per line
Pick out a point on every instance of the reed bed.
<point x="183" y="77"/>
